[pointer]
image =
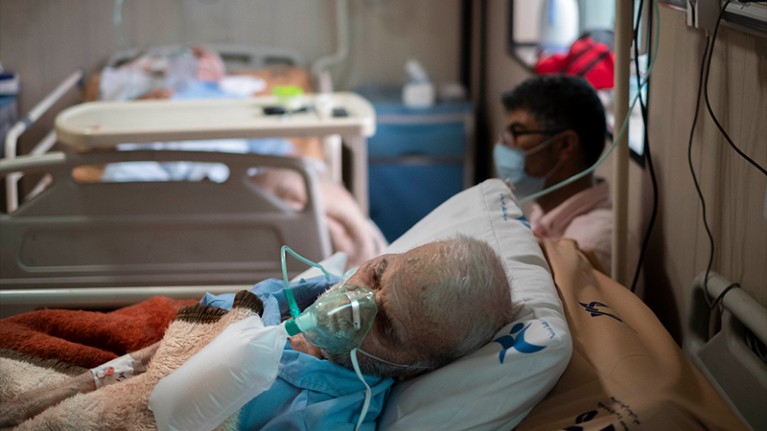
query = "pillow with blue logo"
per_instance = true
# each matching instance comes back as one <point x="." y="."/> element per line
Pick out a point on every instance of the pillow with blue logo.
<point x="496" y="386"/>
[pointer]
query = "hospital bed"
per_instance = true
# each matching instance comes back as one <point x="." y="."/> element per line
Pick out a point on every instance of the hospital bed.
<point x="582" y="352"/>
<point x="89" y="133"/>
<point x="116" y="219"/>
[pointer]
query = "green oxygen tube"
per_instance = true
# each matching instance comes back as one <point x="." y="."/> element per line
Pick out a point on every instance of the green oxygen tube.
<point x="294" y="311"/>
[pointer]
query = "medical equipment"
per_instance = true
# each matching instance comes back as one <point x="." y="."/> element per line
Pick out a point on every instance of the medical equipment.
<point x="338" y="321"/>
<point x="326" y="323"/>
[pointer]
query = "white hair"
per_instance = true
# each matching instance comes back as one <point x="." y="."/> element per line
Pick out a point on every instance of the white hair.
<point x="474" y="281"/>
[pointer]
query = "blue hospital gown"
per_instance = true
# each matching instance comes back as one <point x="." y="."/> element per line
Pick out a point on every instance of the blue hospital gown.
<point x="309" y="393"/>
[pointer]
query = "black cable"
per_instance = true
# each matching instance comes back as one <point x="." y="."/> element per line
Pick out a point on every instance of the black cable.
<point x="646" y="146"/>
<point x="721" y="295"/>
<point x="708" y="103"/>
<point x="692" y="170"/>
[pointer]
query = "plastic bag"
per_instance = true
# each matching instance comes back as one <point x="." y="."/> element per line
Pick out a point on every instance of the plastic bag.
<point x="215" y="383"/>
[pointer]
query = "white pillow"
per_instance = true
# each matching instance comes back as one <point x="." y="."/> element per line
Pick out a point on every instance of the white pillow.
<point x="495" y="387"/>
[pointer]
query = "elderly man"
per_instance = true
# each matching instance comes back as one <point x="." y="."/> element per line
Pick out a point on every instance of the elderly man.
<point x="436" y="303"/>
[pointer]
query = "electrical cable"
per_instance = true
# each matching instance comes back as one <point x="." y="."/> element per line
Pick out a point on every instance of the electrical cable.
<point x="708" y="103"/>
<point x="647" y="153"/>
<point x="721" y="295"/>
<point x="703" y="88"/>
<point x="695" y="177"/>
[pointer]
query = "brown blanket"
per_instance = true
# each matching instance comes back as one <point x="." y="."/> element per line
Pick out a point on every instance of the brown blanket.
<point x="89" y="338"/>
<point x="122" y="404"/>
<point x="626" y="372"/>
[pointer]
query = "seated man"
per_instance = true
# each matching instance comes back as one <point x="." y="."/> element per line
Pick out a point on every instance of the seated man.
<point x="555" y="129"/>
<point x="436" y="303"/>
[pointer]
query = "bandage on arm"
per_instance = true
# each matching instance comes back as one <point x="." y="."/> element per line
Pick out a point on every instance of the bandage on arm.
<point x="33" y="402"/>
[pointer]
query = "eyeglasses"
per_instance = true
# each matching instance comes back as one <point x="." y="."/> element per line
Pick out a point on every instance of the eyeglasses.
<point x="509" y="135"/>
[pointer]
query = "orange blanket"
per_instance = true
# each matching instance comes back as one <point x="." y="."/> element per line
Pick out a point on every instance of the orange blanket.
<point x="626" y="372"/>
<point x="89" y="338"/>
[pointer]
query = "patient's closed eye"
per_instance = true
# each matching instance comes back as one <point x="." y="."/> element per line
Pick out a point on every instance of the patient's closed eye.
<point x="379" y="270"/>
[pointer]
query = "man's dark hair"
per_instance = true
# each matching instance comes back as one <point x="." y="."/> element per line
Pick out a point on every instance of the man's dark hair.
<point x="561" y="102"/>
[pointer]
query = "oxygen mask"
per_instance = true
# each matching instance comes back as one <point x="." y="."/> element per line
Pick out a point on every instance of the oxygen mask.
<point x="339" y="320"/>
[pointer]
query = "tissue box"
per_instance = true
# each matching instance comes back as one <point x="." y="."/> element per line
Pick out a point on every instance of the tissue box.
<point x="418" y="94"/>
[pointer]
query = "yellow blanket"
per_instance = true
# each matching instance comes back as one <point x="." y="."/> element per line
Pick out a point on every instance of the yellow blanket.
<point x="626" y="372"/>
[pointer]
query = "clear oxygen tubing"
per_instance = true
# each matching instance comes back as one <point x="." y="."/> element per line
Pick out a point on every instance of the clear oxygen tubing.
<point x="368" y="392"/>
<point x="294" y="311"/>
<point x="624" y="126"/>
<point x="393" y="364"/>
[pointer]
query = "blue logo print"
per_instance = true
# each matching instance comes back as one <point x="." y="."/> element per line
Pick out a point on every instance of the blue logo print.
<point x="592" y="308"/>
<point x="518" y="342"/>
<point x="524" y="221"/>
<point x="505" y="211"/>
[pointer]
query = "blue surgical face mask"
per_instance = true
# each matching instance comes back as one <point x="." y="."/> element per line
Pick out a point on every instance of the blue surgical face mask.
<point x="510" y="165"/>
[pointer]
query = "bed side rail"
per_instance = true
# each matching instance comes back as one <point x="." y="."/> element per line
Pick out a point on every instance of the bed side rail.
<point x="21" y="126"/>
<point x="105" y="234"/>
<point x="733" y="357"/>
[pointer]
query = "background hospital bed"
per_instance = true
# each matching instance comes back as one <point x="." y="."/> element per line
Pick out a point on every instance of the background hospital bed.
<point x="96" y="127"/>
<point x="273" y="66"/>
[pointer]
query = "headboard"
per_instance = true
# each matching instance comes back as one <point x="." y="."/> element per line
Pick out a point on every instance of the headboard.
<point x="77" y="235"/>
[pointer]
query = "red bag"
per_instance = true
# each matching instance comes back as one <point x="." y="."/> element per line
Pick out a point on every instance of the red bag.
<point x="588" y="58"/>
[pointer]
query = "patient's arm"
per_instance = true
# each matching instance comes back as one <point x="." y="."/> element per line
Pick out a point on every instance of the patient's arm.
<point x="31" y="403"/>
